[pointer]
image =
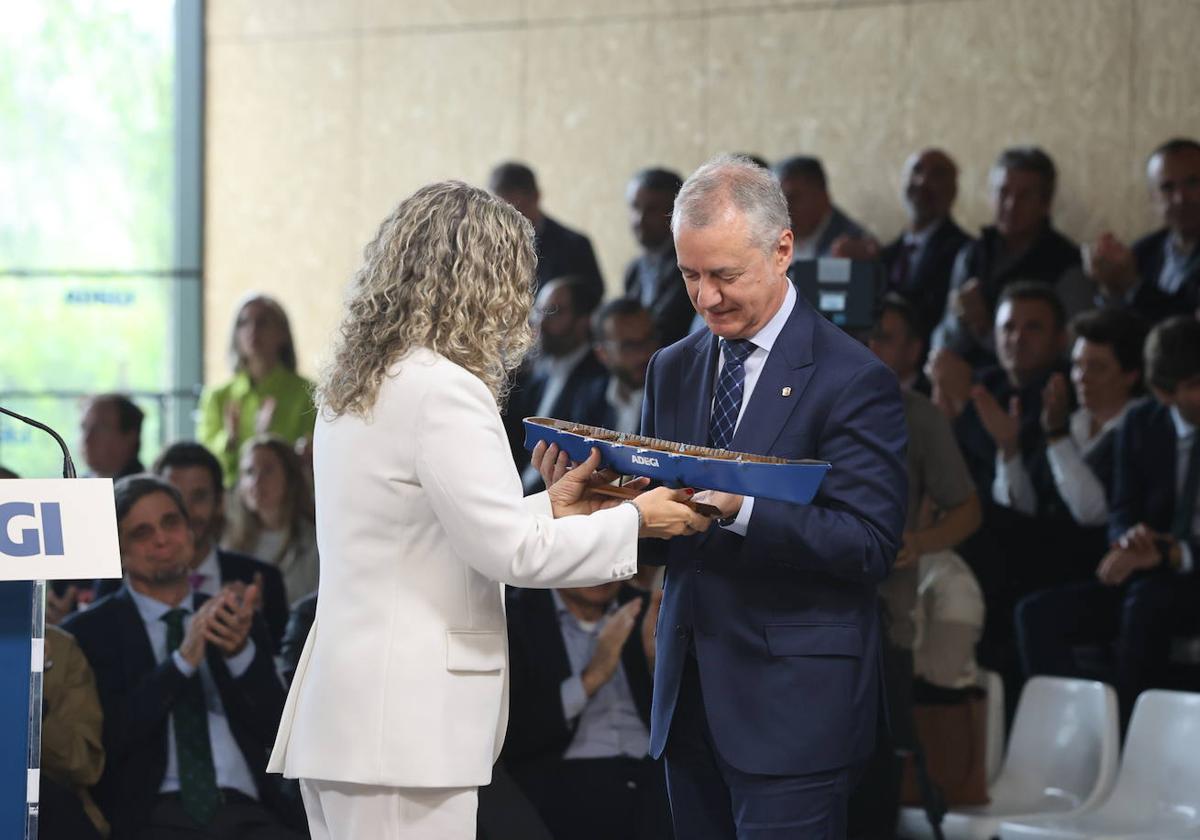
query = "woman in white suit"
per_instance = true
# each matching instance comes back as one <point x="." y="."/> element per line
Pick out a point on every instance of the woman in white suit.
<point x="398" y="708"/>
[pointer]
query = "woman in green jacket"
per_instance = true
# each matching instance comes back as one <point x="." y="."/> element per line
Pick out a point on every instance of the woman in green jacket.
<point x="265" y="395"/>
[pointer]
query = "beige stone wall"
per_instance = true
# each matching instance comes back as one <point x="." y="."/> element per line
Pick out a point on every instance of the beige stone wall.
<point x="323" y="113"/>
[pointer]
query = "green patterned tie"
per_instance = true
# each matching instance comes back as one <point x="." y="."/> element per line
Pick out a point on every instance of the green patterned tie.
<point x="198" y="791"/>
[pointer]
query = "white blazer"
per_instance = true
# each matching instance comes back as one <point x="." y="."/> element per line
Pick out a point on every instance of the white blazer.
<point x="403" y="680"/>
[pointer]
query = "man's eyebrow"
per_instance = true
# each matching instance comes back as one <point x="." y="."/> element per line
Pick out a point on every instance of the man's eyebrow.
<point x="724" y="269"/>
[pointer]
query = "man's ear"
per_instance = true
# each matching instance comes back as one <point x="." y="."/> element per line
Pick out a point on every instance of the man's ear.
<point x="783" y="250"/>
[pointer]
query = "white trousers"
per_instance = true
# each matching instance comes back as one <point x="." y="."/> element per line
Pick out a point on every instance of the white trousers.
<point x="345" y="811"/>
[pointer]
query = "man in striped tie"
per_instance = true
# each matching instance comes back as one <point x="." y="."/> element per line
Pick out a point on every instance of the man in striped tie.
<point x="767" y="681"/>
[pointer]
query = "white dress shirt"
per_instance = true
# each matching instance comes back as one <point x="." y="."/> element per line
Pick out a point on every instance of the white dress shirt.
<point x="806" y="248"/>
<point x="210" y="570"/>
<point x="763" y="341"/>
<point x="230" y="764"/>
<point x="627" y="410"/>
<point x="1079" y="488"/>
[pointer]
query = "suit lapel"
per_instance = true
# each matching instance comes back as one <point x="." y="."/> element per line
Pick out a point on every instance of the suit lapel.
<point x="135" y="639"/>
<point x="696" y="390"/>
<point x="788" y="370"/>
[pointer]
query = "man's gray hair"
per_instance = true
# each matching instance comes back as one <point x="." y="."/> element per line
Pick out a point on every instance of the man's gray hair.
<point x="737" y="181"/>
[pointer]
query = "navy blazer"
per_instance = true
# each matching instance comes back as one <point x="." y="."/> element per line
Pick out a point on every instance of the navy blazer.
<point x="1144" y="480"/>
<point x="671" y="308"/>
<point x="241" y="567"/>
<point x="1151" y="302"/>
<point x="563" y="252"/>
<point x="538" y="663"/>
<point x="785" y="620"/>
<point x="137" y="695"/>
<point x="928" y="281"/>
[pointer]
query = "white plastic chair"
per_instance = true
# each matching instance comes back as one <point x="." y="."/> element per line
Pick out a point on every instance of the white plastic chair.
<point x="994" y="686"/>
<point x="1062" y="759"/>
<point x="1157" y="793"/>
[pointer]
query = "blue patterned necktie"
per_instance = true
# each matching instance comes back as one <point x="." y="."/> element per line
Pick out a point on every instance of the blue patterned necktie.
<point x="198" y="791"/>
<point x="728" y="400"/>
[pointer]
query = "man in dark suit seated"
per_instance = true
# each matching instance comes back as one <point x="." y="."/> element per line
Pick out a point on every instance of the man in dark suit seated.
<point x="561" y="252"/>
<point x="111" y="434"/>
<point x="187" y="684"/>
<point x="920" y="260"/>
<point x="623" y="339"/>
<point x="1021" y="244"/>
<point x="653" y="276"/>
<point x="896" y="340"/>
<point x="579" y="718"/>
<point x="1030" y="540"/>
<point x="1160" y="275"/>
<point x="558" y="376"/>
<point x="816" y="222"/>
<point x="196" y="473"/>
<point x="1147" y="586"/>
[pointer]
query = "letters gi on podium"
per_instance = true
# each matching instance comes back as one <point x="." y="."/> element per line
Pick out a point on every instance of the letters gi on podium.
<point x="50" y="529"/>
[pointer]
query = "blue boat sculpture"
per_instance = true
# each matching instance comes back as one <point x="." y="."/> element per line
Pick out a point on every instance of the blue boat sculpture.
<point x="683" y="464"/>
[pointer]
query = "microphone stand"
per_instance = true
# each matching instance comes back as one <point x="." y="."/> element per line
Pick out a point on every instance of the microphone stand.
<point x="37" y="637"/>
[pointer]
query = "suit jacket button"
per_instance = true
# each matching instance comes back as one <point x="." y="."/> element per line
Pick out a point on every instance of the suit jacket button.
<point x="681" y="631"/>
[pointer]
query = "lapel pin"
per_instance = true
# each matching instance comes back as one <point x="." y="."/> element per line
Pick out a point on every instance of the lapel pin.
<point x="787" y="391"/>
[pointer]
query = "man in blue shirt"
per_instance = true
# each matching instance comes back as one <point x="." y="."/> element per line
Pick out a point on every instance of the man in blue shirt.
<point x="579" y="724"/>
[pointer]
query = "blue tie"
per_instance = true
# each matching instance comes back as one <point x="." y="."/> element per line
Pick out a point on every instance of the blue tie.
<point x="728" y="401"/>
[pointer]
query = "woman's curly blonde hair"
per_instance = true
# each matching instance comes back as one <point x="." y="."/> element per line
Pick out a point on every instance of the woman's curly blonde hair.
<point x="451" y="269"/>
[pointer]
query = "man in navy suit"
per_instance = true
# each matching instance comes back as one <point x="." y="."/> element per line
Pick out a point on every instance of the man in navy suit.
<point x="767" y="679"/>
<point x="1148" y="587"/>
<point x="196" y="473"/>
<point x="187" y="684"/>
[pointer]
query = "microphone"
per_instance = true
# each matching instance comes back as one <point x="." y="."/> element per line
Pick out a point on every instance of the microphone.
<point x="68" y="464"/>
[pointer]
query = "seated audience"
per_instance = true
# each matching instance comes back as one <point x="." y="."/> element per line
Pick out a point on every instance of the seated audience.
<point x="1106" y="371"/>
<point x="1021" y="244"/>
<point x="624" y="339"/>
<point x="943" y="510"/>
<point x="996" y="415"/>
<point x="266" y="395"/>
<point x="188" y="689"/>
<point x="1160" y="275"/>
<point x="271" y="516"/>
<point x="559" y="374"/>
<point x="896" y="339"/>
<point x="1147" y="587"/>
<point x="920" y="260"/>
<point x="561" y="252"/>
<point x="579" y="721"/>
<point x="816" y="222"/>
<point x="195" y="472"/>
<point x="111" y="435"/>
<point x="653" y="276"/>
<point x="72" y="744"/>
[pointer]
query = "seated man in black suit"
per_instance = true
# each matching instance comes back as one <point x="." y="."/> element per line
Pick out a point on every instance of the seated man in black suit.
<point x="920" y="260"/>
<point x="623" y="339"/>
<point x="195" y="472"/>
<point x="561" y="252"/>
<point x="1160" y="275"/>
<point x="816" y="221"/>
<point x="559" y="374"/>
<point x="1030" y="539"/>
<point x="579" y="720"/>
<point x="1021" y="244"/>
<point x="653" y="276"/>
<point x="896" y="340"/>
<point x="187" y="684"/>
<point x="111" y="434"/>
<point x="1148" y="587"/>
